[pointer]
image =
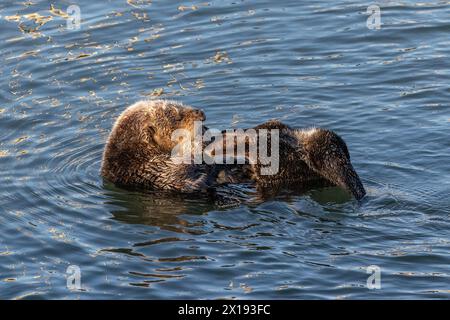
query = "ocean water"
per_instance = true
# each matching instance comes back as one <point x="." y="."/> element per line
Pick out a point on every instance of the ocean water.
<point x="385" y="91"/>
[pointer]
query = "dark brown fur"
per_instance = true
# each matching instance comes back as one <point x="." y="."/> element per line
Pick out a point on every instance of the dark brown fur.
<point x="307" y="157"/>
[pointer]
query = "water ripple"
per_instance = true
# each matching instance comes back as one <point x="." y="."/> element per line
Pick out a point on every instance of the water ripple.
<point x="384" y="91"/>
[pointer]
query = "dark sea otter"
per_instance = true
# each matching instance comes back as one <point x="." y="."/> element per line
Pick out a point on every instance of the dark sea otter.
<point x="306" y="157"/>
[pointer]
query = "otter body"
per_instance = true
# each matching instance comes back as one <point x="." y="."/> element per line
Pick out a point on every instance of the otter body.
<point x="305" y="157"/>
<point x="292" y="170"/>
<point x="138" y="154"/>
<point x="138" y="150"/>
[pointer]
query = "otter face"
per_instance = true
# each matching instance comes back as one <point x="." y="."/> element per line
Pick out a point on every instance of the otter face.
<point x="150" y="124"/>
<point x="142" y="135"/>
<point x="327" y="154"/>
<point x="170" y="116"/>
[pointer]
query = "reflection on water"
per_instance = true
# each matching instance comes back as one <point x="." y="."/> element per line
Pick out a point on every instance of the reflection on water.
<point x="159" y="209"/>
<point x="385" y="92"/>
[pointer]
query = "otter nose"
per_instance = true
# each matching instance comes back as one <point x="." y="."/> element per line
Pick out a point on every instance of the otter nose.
<point x="199" y="115"/>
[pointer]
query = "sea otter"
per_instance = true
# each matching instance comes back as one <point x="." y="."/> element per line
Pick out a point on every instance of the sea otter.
<point x="306" y="157"/>
<point x="138" y="150"/>
<point x="138" y="153"/>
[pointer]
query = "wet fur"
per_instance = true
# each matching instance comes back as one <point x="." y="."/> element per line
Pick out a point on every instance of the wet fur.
<point x="138" y="150"/>
<point x="306" y="157"/>
<point x="138" y="154"/>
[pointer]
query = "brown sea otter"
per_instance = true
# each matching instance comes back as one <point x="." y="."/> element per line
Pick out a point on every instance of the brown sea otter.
<point x="138" y="150"/>
<point x="305" y="157"/>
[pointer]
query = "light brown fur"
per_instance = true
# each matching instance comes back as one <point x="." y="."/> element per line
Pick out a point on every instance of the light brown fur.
<point x="138" y="150"/>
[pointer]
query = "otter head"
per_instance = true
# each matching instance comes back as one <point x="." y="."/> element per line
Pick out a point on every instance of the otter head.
<point x="168" y="116"/>
<point x="327" y="154"/>
<point x="142" y="131"/>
